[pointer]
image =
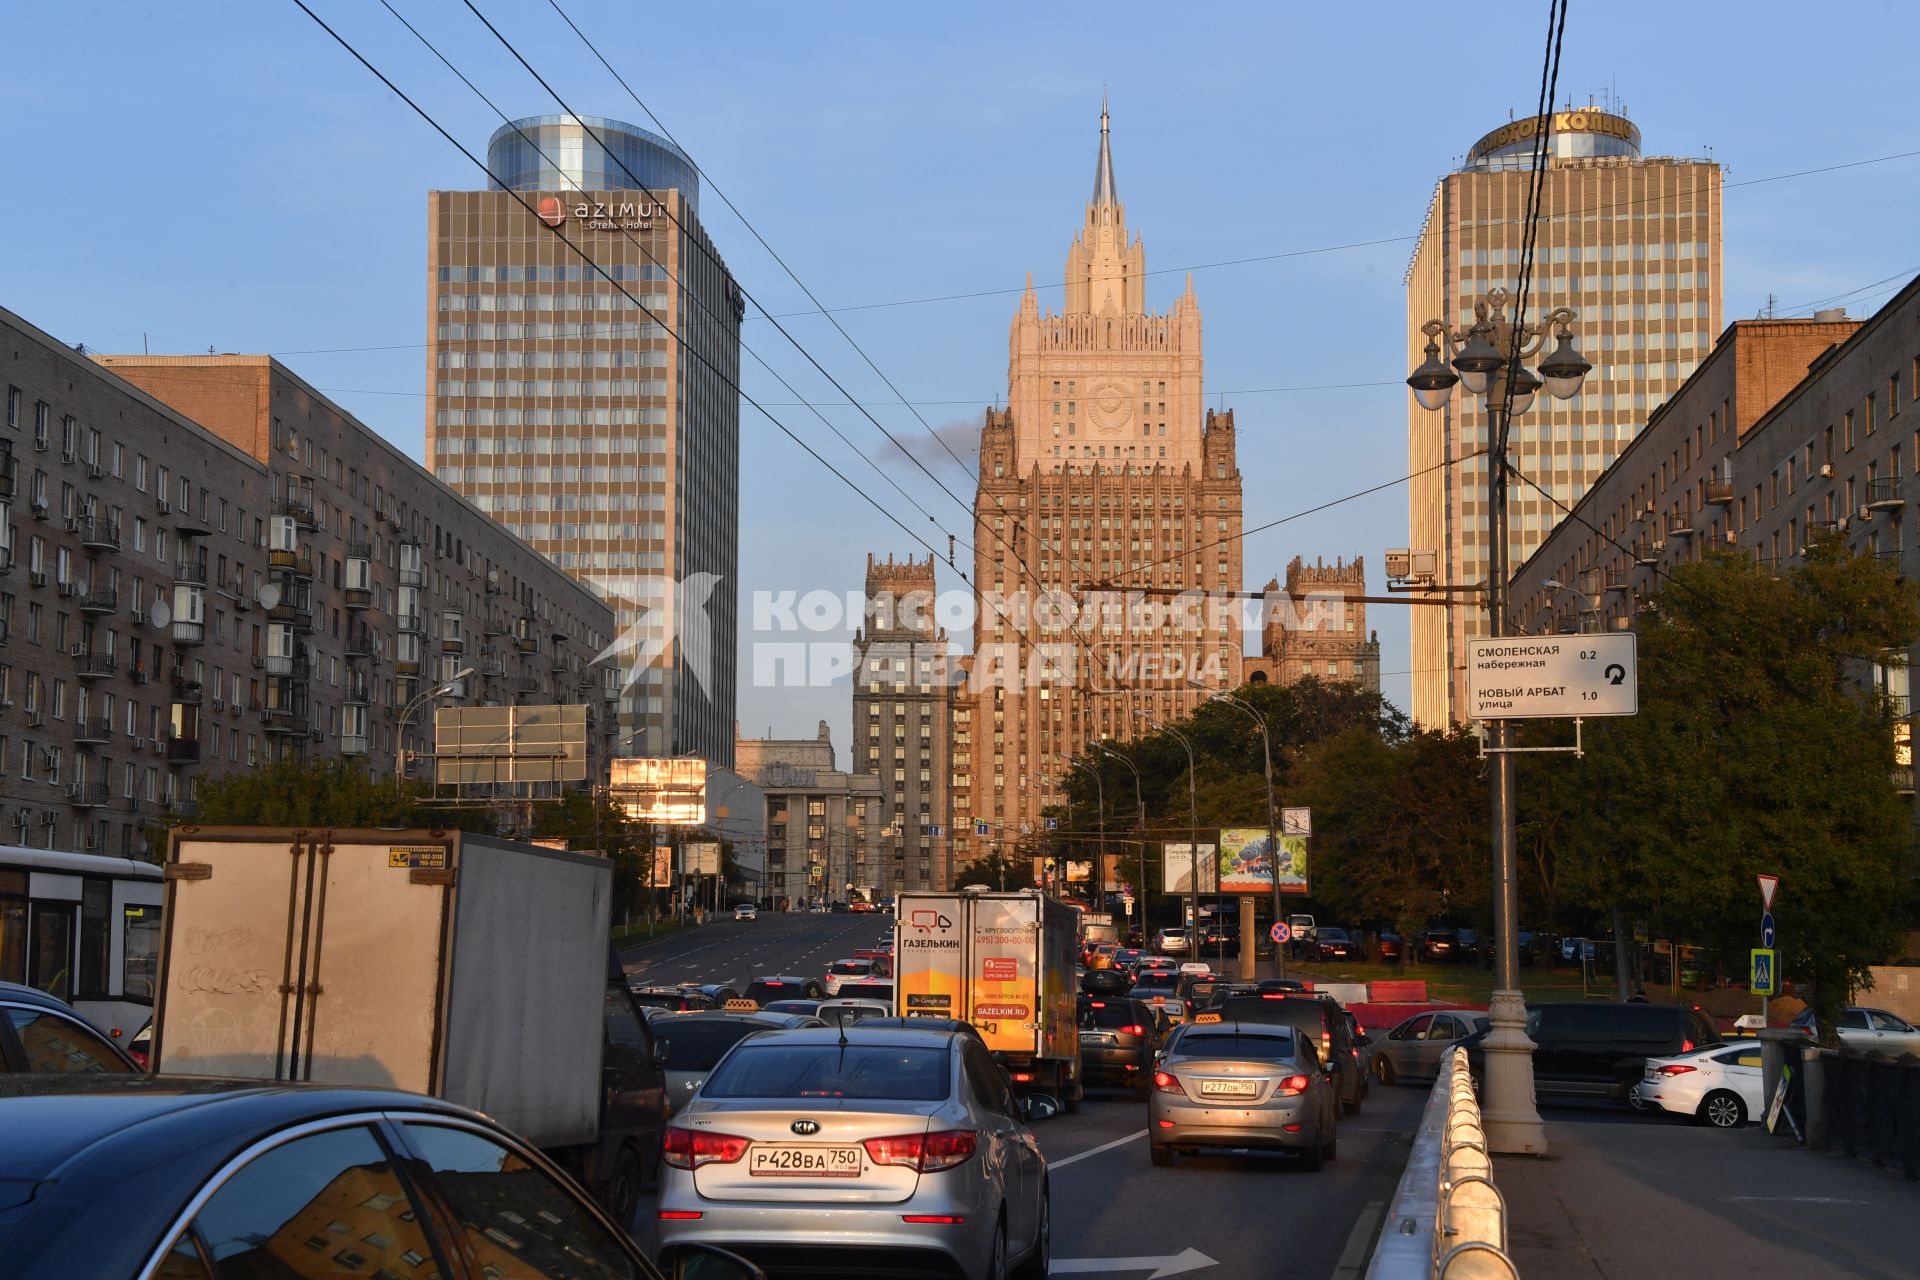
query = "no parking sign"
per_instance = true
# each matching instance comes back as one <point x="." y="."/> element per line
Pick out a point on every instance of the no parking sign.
<point x="1280" y="932"/>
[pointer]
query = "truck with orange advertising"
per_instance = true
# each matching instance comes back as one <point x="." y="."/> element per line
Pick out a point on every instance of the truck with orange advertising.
<point x="1003" y="962"/>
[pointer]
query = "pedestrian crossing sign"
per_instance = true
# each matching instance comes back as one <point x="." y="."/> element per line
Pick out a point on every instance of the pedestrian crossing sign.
<point x="1764" y="978"/>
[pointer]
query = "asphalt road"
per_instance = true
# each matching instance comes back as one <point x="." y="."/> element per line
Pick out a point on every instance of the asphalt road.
<point x="725" y="951"/>
<point x="1212" y="1217"/>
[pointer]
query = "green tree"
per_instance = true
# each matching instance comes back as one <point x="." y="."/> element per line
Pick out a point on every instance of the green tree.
<point x="1760" y="746"/>
<point x="590" y="822"/>
<point x="1400" y="828"/>
<point x="995" y="871"/>
<point x="334" y="792"/>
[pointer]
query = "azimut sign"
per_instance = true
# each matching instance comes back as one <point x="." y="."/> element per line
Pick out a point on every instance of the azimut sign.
<point x="618" y="215"/>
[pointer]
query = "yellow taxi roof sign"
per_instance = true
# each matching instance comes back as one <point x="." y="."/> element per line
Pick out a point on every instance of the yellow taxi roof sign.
<point x="739" y="1005"/>
<point x="1206" y="1018"/>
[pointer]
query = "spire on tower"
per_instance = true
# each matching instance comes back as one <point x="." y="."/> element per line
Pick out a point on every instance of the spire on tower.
<point x="1105" y="192"/>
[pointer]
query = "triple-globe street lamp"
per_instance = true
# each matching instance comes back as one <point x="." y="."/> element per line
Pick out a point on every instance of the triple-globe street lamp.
<point x="1488" y="360"/>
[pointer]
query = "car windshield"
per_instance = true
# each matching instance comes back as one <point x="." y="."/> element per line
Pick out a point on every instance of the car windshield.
<point x="861" y="1071"/>
<point x="1332" y="935"/>
<point x="1161" y="979"/>
<point x="1098" y="1014"/>
<point x="1219" y="1044"/>
<point x="1201" y="988"/>
<point x="852" y="967"/>
<point x="696" y="1044"/>
<point x="881" y="991"/>
<point x="765" y="991"/>
<point x="791" y="1006"/>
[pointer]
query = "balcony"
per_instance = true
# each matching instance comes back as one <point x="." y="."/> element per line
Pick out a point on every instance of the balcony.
<point x="1680" y="524"/>
<point x="359" y="640"/>
<point x="492" y="666"/>
<point x="1719" y="493"/>
<point x="193" y="572"/>
<point x="100" y="600"/>
<point x="183" y="750"/>
<point x="410" y="624"/>
<point x="494" y="628"/>
<point x="1884" y="495"/>
<point x="453" y="644"/>
<point x="291" y="561"/>
<point x="525" y="638"/>
<point x="96" y="534"/>
<point x="298" y="503"/>
<point x="1646" y="553"/>
<point x="529" y="684"/>
<point x="295" y="612"/>
<point x="353" y="744"/>
<point x="88" y="795"/>
<point x="93" y="732"/>
<point x="186" y="691"/>
<point x="284" y="720"/>
<point x="357" y="690"/>
<point x="89" y="665"/>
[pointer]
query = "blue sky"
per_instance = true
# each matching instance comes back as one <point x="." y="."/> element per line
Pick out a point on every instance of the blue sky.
<point x="221" y="174"/>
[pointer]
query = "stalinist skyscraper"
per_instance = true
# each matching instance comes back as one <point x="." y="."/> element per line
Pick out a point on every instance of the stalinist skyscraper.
<point x="1105" y="470"/>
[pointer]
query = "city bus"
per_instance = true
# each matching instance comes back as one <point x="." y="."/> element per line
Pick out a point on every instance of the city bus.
<point x="84" y="928"/>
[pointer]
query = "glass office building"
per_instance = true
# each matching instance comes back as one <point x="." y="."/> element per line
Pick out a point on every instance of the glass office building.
<point x="563" y="401"/>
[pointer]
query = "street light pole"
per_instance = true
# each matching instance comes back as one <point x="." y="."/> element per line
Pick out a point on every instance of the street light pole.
<point x="406" y="713"/>
<point x="1100" y="818"/>
<point x="1248" y="945"/>
<point x="1139" y="805"/>
<point x="1488" y="360"/>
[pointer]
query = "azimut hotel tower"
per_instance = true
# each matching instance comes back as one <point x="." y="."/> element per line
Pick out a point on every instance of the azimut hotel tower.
<point x="583" y="345"/>
<point x="1631" y="245"/>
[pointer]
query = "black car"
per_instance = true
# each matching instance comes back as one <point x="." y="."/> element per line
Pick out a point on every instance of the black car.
<point x="1117" y="1040"/>
<point x="1321" y="1018"/>
<point x="784" y="987"/>
<point x="42" y="1034"/>
<point x="718" y="992"/>
<point x="1334" y="944"/>
<point x="1440" y="946"/>
<point x="146" y="1175"/>
<point x="1600" y="1050"/>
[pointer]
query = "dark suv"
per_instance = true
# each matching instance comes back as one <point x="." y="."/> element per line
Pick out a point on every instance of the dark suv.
<point x="1600" y="1050"/>
<point x="1117" y="1040"/>
<point x="1320" y="1017"/>
<point x="1441" y="946"/>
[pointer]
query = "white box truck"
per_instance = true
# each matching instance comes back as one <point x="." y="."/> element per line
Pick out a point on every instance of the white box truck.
<point x="1005" y="963"/>
<point x="474" y="969"/>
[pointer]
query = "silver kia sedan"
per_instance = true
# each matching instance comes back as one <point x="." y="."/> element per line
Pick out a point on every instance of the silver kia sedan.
<point x="1242" y="1086"/>
<point x="904" y="1146"/>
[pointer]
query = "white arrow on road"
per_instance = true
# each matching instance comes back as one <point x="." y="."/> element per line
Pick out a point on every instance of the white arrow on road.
<point x="1177" y="1264"/>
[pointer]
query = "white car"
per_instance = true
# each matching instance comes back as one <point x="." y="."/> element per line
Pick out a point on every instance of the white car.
<point x="1720" y="1085"/>
<point x="746" y="911"/>
<point x="848" y="1011"/>
<point x="1196" y="966"/>
<point x="841" y="971"/>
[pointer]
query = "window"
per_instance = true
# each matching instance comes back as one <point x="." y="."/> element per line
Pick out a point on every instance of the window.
<point x="489" y="1175"/>
<point x="337" y="1187"/>
<point x="56" y="1043"/>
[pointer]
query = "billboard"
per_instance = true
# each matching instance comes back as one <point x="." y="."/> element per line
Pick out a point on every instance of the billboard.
<point x="490" y="746"/>
<point x="1079" y="872"/>
<point x="1246" y="865"/>
<point x="662" y="868"/>
<point x="1004" y="984"/>
<point x="928" y="973"/>
<point x="669" y="791"/>
<point x="1183" y="862"/>
<point x="700" y="858"/>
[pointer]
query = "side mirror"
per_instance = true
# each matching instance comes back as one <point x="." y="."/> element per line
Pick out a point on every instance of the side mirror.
<point x="1333" y="1065"/>
<point x="704" y="1262"/>
<point x="1038" y="1106"/>
<point x="660" y="1054"/>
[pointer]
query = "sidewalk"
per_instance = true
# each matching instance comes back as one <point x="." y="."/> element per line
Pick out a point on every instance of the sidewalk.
<point x="1625" y="1197"/>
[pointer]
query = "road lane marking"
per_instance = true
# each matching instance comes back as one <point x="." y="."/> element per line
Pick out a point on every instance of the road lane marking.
<point x="1105" y="1146"/>
<point x="1189" y="1259"/>
<point x="1789" y="1200"/>
<point x="1353" y="1259"/>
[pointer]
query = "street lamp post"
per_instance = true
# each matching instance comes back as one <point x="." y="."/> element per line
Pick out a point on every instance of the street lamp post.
<point x="1100" y="850"/>
<point x="1193" y="827"/>
<point x="1488" y="358"/>
<point x="406" y="713"/>
<point x="1247" y="943"/>
<point x="1139" y="805"/>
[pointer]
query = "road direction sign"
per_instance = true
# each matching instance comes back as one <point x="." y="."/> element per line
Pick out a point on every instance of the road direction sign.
<point x="1552" y="677"/>
<point x="1763" y="977"/>
<point x="1280" y="933"/>
<point x="1767" y="885"/>
<point x="1766" y="930"/>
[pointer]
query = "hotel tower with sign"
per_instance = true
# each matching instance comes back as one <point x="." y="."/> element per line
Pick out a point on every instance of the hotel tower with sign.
<point x="1632" y="245"/>
<point x="583" y="343"/>
<point x="1105" y="468"/>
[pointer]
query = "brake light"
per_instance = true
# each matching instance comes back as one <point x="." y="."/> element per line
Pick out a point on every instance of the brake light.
<point x="1023" y="1077"/>
<point x="1096" y="1004"/>
<point x="1166" y="1082"/>
<point x="1273" y="995"/>
<point x="924" y="1152"/>
<point x="679" y="1215"/>
<point x="1676" y="1070"/>
<point x="691" y="1148"/>
<point x="1292" y="1087"/>
<point x="938" y="1219"/>
<point x="1133" y="1029"/>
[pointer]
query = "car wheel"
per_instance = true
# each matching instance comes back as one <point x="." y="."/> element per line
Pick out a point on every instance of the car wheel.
<point x="1723" y="1110"/>
<point x="997" y="1260"/>
<point x="1041" y="1259"/>
<point x="1331" y="1151"/>
<point x="1383" y="1069"/>
<point x="1311" y="1158"/>
<point x="1352" y="1106"/>
<point x="1071" y="1095"/>
<point x="1162" y="1156"/>
<point x="620" y="1196"/>
<point x="1637" y="1102"/>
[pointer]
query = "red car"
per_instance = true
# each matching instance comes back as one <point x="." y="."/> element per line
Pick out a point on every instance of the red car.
<point x="860" y="907"/>
<point x="1390" y="946"/>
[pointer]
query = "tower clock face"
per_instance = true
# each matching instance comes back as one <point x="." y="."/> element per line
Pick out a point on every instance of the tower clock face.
<point x="1109" y="408"/>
